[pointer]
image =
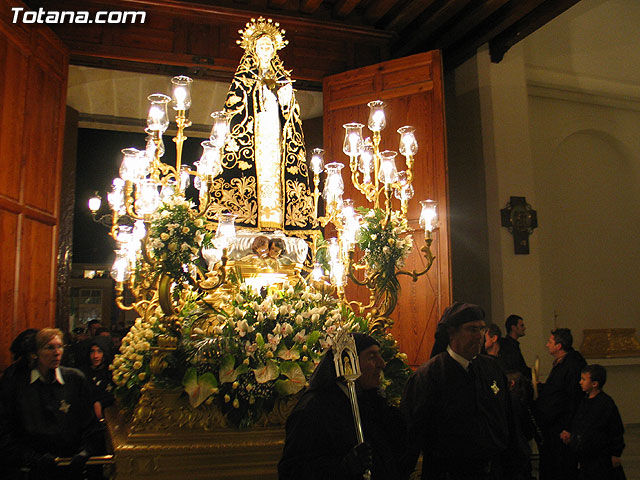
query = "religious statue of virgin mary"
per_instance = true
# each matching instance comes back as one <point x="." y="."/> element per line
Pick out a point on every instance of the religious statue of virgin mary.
<point x="265" y="179"/>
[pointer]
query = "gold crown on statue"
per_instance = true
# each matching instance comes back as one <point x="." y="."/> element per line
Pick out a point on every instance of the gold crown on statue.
<point x="256" y="29"/>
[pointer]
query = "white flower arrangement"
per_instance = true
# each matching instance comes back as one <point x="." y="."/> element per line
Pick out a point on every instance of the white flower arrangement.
<point x="176" y="237"/>
<point x="265" y="348"/>
<point x="385" y="246"/>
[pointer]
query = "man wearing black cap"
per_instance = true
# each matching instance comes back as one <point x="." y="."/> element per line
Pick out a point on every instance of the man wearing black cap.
<point x="457" y="405"/>
<point x="321" y="440"/>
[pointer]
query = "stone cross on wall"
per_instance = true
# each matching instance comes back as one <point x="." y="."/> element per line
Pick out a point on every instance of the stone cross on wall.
<point x="520" y="219"/>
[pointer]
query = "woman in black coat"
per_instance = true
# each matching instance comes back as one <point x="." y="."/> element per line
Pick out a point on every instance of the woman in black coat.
<point x="48" y="413"/>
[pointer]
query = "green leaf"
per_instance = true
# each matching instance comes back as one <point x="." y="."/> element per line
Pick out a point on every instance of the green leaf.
<point x="190" y="377"/>
<point x="265" y="373"/>
<point x="227" y="371"/>
<point x="313" y="338"/>
<point x="295" y="379"/>
<point x="260" y="340"/>
<point x="307" y="367"/>
<point x="199" y="388"/>
<point x="286" y="353"/>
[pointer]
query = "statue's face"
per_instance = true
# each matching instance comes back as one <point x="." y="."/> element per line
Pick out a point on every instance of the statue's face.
<point x="264" y="51"/>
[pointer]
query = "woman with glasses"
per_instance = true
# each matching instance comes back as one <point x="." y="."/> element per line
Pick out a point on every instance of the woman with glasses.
<point x="50" y="413"/>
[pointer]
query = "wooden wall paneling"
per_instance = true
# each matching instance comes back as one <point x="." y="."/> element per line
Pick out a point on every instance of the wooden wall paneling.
<point x="13" y="93"/>
<point x="9" y="236"/>
<point x="32" y="98"/>
<point x="36" y="275"/>
<point x="42" y="138"/>
<point x="412" y="88"/>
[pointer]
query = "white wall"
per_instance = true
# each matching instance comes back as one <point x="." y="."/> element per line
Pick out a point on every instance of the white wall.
<point x="584" y="120"/>
<point x="560" y="119"/>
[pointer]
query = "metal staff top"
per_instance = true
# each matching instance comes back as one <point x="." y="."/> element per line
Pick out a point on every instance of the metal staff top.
<point x="345" y="357"/>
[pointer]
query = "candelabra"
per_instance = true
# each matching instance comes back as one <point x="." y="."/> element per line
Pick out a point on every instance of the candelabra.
<point x="380" y="231"/>
<point x="149" y="190"/>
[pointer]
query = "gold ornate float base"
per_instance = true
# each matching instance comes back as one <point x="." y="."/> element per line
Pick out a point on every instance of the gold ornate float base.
<point x="610" y="343"/>
<point x="158" y="450"/>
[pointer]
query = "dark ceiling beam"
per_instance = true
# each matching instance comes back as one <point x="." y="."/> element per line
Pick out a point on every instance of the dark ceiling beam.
<point x="343" y="8"/>
<point x="309" y="6"/>
<point x="466" y="47"/>
<point x="425" y="28"/>
<point x="377" y="9"/>
<point x="468" y="22"/>
<point x="546" y="12"/>
<point x="457" y="27"/>
<point x="407" y="14"/>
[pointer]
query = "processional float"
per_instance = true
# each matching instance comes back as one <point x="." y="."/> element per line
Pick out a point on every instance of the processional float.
<point x="236" y="290"/>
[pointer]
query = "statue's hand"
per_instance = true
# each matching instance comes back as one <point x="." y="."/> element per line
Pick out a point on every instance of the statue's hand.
<point x="284" y="94"/>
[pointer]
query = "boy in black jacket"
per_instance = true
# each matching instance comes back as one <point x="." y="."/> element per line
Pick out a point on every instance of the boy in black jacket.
<point x="597" y="431"/>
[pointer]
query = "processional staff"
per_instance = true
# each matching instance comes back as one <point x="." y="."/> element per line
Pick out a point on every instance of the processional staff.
<point x="345" y="357"/>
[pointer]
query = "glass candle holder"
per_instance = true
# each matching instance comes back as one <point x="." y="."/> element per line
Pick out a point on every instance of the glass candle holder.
<point x="404" y="192"/>
<point x="317" y="160"/>
<point x="181" y="92"/>
<point x="365" y="165"/>
<point x="158" y="117"/>
<point x="151" y="145"/>
<point x="388" y="173"/>
<point x="148" y="197"/>
<point x="429" y="215"/>
<point x="209" y="163"/>
<point x="408" y="143"/>
<point x="131" y="168"/>
<point x="120" y="270"/>
<point x="333" y="185"/>
<point x="220" y="128"/>
<point x="352" y="139"/>
<point x="377" y="118"/>
<point x="226" y="231"/>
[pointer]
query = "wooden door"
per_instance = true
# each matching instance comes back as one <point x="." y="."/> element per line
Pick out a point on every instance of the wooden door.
<point x="33" y="83"/>
<point x="412" y="89"/>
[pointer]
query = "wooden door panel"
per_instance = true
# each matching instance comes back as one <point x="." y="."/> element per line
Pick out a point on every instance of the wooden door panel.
<point x="42" y="140"/>
<point x="9" y="236"/>
<point x="36" y="275"/>
<point x="13" y="92"/>
<point x="412" y="89"/>
<point x="33" y="71"/>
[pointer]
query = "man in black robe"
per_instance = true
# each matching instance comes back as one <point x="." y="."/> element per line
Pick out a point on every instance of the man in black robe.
<point x="556" y="406"/>
<point x="510" y="353"/>
<point x="457" y="406"/>
<point x="321" y="439"/>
